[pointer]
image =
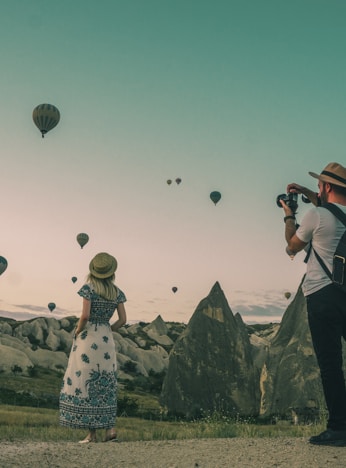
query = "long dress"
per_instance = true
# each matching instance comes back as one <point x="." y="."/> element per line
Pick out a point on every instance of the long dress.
<point x="88" y="397"/>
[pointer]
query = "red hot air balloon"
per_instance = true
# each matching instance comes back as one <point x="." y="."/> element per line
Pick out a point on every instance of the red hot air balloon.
<point x="45" y="117"/>
<point x="174" y="289"/>
<point x="178" y="180"/>
<point x="82" y="239"/>
<point x="51" y="306"/>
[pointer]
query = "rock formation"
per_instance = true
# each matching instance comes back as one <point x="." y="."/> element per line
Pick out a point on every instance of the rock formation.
<point x="211" y="366"/>
<point x="289" y="374"/>
<point x="46" y="342"/>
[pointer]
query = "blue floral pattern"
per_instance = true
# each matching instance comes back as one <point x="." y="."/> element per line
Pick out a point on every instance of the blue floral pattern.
<point x="88" y="397"/>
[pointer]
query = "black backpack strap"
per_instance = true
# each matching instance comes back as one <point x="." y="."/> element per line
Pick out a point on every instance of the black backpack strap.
<point x="307" y="256"/>
<point x="323" y="265"/>
<point x="336" y="212"/>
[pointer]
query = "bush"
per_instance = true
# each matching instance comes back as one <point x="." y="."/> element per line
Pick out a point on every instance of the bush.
<point x="16" y="369"/>
<point x="32" y="371"/>
<point x="129" y="385"/>
<point x="156" y="380"/>
<point x="130" y="367"/>
<point x="127" y="406"/>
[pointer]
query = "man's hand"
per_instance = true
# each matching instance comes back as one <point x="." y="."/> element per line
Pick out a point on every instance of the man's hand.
<point x="296" y="188"/>
<point x="287" y="209"/>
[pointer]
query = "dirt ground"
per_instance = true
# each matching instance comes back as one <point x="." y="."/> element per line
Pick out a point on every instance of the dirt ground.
<point x="201" y="453"/>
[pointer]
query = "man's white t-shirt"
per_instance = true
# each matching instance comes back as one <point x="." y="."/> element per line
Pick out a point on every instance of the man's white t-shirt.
<point x="326" y="230"/>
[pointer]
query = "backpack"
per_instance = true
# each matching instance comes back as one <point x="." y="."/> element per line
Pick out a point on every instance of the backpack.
<point x="338" y="274"/>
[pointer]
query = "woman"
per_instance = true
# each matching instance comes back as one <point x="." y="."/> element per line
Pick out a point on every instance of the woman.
<point x="88" y="396"/>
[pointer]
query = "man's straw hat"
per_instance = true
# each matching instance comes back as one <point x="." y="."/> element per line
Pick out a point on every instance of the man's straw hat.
<point x="333" y="173"/>
<point x="103" y="265"/>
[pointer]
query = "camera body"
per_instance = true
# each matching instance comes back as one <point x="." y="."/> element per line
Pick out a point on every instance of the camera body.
<point x="291" y="200"/>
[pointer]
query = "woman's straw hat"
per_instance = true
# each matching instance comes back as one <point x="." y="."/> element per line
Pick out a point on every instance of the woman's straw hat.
<point x="333" y="173"/>
<point x="103" y="265"/>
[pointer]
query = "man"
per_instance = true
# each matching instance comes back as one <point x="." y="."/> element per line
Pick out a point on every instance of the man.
<point x="326" y="304"/>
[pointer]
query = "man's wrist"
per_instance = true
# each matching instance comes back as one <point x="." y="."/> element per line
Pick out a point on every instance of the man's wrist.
<point x="289" y="217"/>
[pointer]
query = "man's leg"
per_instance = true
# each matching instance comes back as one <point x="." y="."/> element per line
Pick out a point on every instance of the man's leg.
<point x="326" y="326"/>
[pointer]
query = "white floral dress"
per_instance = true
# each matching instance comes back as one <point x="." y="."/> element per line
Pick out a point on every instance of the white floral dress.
<point x="88" y="398"/>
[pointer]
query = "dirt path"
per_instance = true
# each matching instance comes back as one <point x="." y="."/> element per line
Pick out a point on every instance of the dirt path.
<point x="201" y="453"/>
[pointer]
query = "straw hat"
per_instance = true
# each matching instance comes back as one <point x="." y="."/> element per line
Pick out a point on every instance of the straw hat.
<point x="103" y="265"/>
<point x="333" y="173"/>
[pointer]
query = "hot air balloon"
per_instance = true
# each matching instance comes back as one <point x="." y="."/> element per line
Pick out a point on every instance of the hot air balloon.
<point x="287" y="295"/>
<point x="82" y="239"/>
<point x="174" y="289"/>
<point x="74" y="279"/>
<point x="178" y="180"/>
<point x="169" y="181"/>
<point x="45" y="117"/>
<point x="51" y="306"/>
<point x="215" y="196"/>
<point x="3" y="264"/>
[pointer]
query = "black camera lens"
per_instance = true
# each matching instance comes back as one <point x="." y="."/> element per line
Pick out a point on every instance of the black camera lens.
<point x="283" y="197"/>
<point x="290" y="199"/>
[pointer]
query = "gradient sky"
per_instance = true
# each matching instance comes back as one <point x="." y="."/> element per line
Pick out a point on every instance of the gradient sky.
<point x="240" y="96"/>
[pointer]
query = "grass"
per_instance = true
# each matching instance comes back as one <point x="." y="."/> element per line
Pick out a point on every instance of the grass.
<point x="40" y="424"/>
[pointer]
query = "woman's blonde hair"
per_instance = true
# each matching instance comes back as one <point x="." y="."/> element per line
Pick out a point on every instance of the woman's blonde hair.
<point x="104" y="287"/>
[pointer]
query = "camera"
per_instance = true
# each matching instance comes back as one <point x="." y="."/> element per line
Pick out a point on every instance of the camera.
<point x="291" y="200"/>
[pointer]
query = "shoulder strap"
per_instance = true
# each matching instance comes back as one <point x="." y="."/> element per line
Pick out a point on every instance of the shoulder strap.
<point x="307" y="256"/>
<point x="323" y="265"/>
<point x="336" y="212"/>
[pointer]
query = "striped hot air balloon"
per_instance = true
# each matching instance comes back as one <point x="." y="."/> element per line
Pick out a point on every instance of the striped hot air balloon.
<point x="45" y="117"/>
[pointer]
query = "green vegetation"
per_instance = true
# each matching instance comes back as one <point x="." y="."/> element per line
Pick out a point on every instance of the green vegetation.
<point x="40" y="389"/>
<point x="39" y="424"/>
<point x="139" y="397"/>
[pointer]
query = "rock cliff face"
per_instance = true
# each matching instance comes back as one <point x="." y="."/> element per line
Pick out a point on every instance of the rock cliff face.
<point x="211" y="366"/>
<point x="289" y="375"/>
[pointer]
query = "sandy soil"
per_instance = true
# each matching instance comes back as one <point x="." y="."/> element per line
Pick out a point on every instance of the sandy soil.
<point x="201" y="453"/>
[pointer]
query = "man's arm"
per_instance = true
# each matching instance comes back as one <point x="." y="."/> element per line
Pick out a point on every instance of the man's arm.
<point x="294" y="244"/>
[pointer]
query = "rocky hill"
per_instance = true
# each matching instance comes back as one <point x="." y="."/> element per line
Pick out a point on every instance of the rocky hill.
<point x="46" y="342"/>
<point x="214" y="363"/>
<point x="211" y="365"/>
<point x="219" y="364"/>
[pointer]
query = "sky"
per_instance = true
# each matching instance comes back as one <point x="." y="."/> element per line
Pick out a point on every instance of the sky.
<point x="238" y="96"/>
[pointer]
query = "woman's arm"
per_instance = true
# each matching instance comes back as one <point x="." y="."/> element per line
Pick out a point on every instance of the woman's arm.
<point x="122" y="317"/>
<point x="84" y="316"/>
